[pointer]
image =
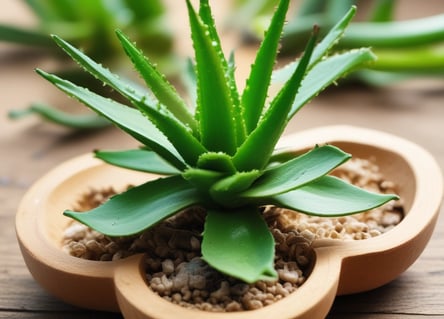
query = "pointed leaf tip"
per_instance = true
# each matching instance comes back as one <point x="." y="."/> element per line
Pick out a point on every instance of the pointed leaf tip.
<point x="239" y="243"/>
<point x="331" y="196"/>
<point x="255" y="92"/>
<point x="214" y="102"/>
<point x="139" y="207"/>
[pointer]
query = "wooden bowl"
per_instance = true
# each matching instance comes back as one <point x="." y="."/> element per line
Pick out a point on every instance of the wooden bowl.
<point x="340" y="267"/>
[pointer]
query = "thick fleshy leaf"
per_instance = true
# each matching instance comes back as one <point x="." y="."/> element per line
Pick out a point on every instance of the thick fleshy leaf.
<point x="139" y="207"/>
<point x="188" y="146"/>
<point x="159" y="85"/>
<point x="321" y="50"/>
<point x="202" y="179"/>
<point x="128" y="119"/>
<point x="219" y="162"/>
<point x="307" y="7"/>
<point x="214" y="102"/>
<point x="66" y="10"/>
<point x="256" y="88"/>
<point x="89" y="10"/>
<point x="297" y="172"/>
<point x="328" y="71"/>
<point x="329" y="196"/>
<point x="247" y="11"/>
<point x="229" y="67"/>
<point x="54" y="115"/>
<point x="137" y="95"/>
<point x="139" y="160"/>
<point x="396" y="34"/>
<point x="225" y="191"/>
<point x="335" y="10"/>
<point x="190" y="82"/>
<point x="165" y="116"/>
<point x="24" y="36"/>
<point x="144" y="10"/>
<point x="383" y="11"/>
<point x="333" y="35"/>
<point x="126" y="89"/>
<point x="42" y="9"/>
<point x="239" y="244"/>
<point x="241" y="130"/>
<point x="384" y="34"/>
<point x="255" y="152"/>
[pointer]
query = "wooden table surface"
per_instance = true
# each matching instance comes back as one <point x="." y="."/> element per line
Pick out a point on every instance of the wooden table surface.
<point x="29" y="148"/>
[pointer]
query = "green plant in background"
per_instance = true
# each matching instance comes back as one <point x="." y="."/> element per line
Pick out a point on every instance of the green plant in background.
<point x="90" y="24"/>
<point x="404" y="48"/>
<point x="221" y="154"/>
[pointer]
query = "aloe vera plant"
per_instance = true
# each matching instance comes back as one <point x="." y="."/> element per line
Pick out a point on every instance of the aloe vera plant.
<point x="221" y="153"/>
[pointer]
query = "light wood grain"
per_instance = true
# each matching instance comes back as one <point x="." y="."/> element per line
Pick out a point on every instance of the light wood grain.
<point x="28" y="149"/>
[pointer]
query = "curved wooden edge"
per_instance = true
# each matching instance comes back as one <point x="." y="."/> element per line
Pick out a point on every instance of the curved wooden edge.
<point x="39" y="230"/>
<point x="312" y="300"/>
<point x="374" y="262"/>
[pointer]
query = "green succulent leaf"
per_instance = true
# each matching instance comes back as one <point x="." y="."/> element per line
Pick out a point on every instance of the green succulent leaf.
<point x="214" y="101"/>
<point x="126" y="89"/>
<point x="327" y="72"/>
<point x="297" y="172"/>
<point x="226" y="190"/>
<point x="128" y="119"/>
<point x="255" y="152"/>
<point x="190" y="81"/>
<point x="144" y="10"/>
<point x="139" y="160"/>
<point x="308" y="7"/>
<point x="42" y="9"/>
<point x="321" y="50"/>
<point x="335" y="10"/>
<point x="159" y="85"/>
<point x="255" y="92"/>
<point x="239" y="243"/>
<point x="66" y="10"/>
<point x="75" y="121"/>
<point x="177" y="133"/>
<point x="241" y="130"/>
<point x="207" y="18"/>
<point x="202" y="179"/>
<point x="247" y="11"/>
<point x="383" y="11"/>
<point x="333" y="36"/>
<point x="428" y="60"/>
<point x="23" y="36"/>
<point x="52" y="10"/>
<point x="330" y="196"/>
<point x="91" y="24"/>
<point x="140" y="207"/>
<point x="396" y="34"/>
<point x="219" y="162"/>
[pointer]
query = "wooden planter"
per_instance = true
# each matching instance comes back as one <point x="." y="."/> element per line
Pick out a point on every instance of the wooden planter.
<point x="341" y="267"/>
